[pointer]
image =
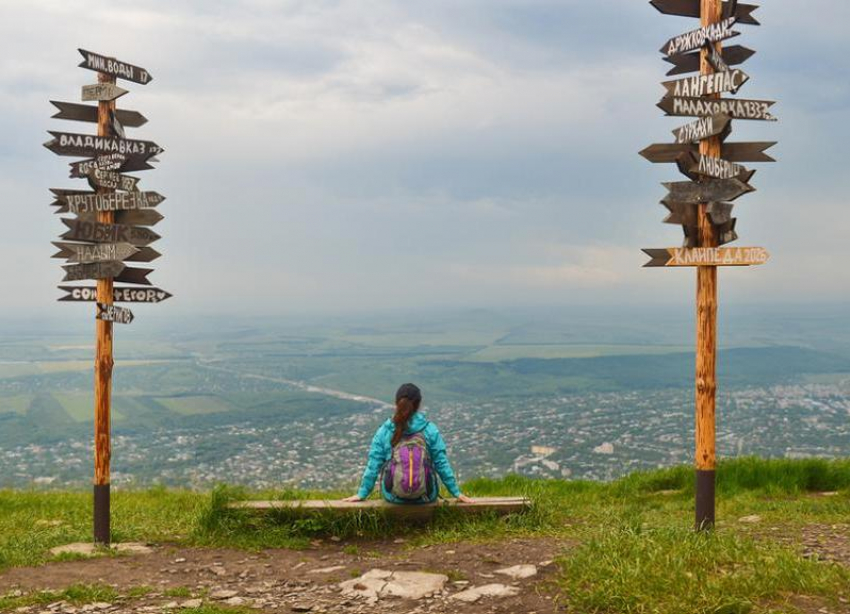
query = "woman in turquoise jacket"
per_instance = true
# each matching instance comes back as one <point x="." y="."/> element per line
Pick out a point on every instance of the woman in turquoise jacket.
<point x="407" y="421"/>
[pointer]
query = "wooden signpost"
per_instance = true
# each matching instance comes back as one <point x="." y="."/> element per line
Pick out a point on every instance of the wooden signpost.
<point x="107" y="231"/>
<point x="701" y="205"/>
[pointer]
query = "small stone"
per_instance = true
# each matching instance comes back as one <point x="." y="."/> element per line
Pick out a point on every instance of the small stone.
<point x="545" y="563"/>
<point x="235" y="601"/>
<point x="180" y="560"/>
<point x="223" y="594"/>
<point x="334" y="538"/>
<point x="219" y="571"/>
<point x="191" y="603"/>
<point x="328" y="569"/>
<point x="301" y="607"/>
<point x="171" y="605"/>
<point x="518" y="572"/>
<point x="750" y="519"/>
<point x="488" y="590"/>
<point x="450" y="552"/>
<point x="399" y="541"/>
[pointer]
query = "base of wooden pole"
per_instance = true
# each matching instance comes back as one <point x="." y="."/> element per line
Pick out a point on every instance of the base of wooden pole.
<point x="101" y="515"/>
<point x="705" y="500"/>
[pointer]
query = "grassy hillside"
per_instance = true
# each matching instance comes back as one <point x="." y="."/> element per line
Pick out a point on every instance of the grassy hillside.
<point x="633" y="551"/>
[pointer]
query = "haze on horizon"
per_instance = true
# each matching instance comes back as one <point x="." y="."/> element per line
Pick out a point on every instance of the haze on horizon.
<point x="329" y="155"/>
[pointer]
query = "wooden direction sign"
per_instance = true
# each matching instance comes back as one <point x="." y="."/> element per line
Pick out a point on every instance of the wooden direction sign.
<point x="88" y="253"/>
<point x="99" y="270"/>
<point x="702" y="85"/>
<point x="112" y="180"/>
<point x="113" y="313"/>
<point x="111" y="66"/>
<point x="138" y="217"/>
<point x="687" y="214"/>
<point x="102" y="92"/>
<point x="703" y="128"/>
<point x="88" y="294"/>
<point x="736" y="108"/>
<point x="79" y="230"/>
<point x="86" y="113"/>
<point x="696" y="39"/>
<point x="144" y="254"/>
<point x="114" y="201"/>
<point x="80" y="170"/>
<point x="725" y="234"/>
<point x="689" y="62"/>
<point x="718" y="168"/>
<point x="706" y="256"/>
<point x="690" y="8"/>
<point x="665" y="153"/>
<point x="716" y="60"/>
<point x="89" y="145"/>
<point x="707" y="191"/>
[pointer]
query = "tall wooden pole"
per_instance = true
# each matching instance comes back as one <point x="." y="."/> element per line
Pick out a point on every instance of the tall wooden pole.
<point x="103" y="365"/>
<point x="706" y="323"/>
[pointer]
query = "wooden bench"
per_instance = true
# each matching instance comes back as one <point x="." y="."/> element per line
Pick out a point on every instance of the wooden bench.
<point x="481" y="505"/>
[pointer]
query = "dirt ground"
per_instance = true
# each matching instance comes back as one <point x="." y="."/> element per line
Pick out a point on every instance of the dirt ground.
<point x="302" y="581"/>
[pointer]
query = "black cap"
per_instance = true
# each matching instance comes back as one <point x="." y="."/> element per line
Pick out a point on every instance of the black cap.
<point x="409" y="391"/>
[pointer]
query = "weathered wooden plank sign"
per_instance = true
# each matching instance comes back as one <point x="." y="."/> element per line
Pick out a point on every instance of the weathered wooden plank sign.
<point x="690" y="8"/>
<point x="719" y="168"/>
<point x="99" y="92"/>
<point x="131" y="275"/>
<point x="111" y="66"/>
<point x="689" y="62"/>
<point x="113" y="201"/>
<point x="88" y="145"/>
<point x="113" y="313"/>
<point x="88" y="294"/>
<point x="99" y="270"/>
<point x="687" y="214"/>
<point x="110" y="179"/>
<point x="79" y="230"/>
<point x="696" y="39"/>
<point x="138" y="217"/>
<point x="706" y="256"/>
<point x="86" y="113"/>
<point x="144" y="254"/>
<point x="88" y="253"/>
<point x="668" y="153"/>
<point x="702" y="85"/>
<point x="716" y="60"/>
<point x="736" y="108"/>
<point x="706" y="191"/>
<point x="80" y="170"/>
<point x="703" y="128"/>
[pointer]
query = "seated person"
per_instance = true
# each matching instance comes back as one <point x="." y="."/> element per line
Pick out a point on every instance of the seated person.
<point x="410" y="453"/>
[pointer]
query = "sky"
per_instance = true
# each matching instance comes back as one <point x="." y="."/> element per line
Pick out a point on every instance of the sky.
<point x="332" y="156"/>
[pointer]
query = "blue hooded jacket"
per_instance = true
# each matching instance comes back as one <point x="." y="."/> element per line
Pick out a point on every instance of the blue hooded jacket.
<point x="382" y="450"/>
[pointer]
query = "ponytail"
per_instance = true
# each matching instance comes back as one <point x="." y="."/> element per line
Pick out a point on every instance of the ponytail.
<point x="404" y="410"/>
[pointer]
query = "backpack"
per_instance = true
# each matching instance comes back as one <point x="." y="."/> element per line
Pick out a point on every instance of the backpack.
<point x="409" y="474"/>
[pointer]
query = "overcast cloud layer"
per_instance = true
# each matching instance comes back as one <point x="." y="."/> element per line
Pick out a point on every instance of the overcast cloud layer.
<point x="338" y="156"/>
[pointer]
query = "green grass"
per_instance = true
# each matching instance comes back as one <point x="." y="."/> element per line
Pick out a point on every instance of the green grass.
<point x="77" y="594"/>
<point x="635" y="549"/>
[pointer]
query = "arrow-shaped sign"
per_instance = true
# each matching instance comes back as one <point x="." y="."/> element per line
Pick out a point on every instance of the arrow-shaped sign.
<point x="80" y="170"/>
<point x="102" y="92"/>
<point x="696" y="39"/>
<point x="687" y="214"/>
<point x="88" y="145"/>
<point x="79" y="230"/>
<point x="718" y="168"/>
<point x="736" y="108"/>
<point x="689" y="62"/>
<point x="701" y="85"/>
<point x="112" y="180"/>
<point x="706" y="256"/>
<point x="86" y="113"/>
<point x="115" y="201"/>
<point x="706" y="191"/>
<point x="690" y="8"/>
<point x="664" y="153"/>
<point x="113" y="313"/>
<point x="85" y="253"/>
<point x="140" y="217"/>
<point x="88" y="294"/>
<point x="111" y="66"/>
<point x="99" y="270"/>
<point x="144" y="254"/>
<point x="134" y="276"/>
<point x="704" y="128"/>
